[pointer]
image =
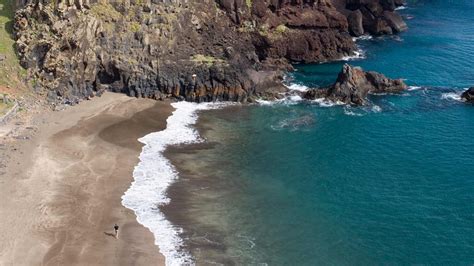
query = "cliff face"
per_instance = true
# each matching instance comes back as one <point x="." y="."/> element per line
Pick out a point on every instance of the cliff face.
<point x="195" y="50"/>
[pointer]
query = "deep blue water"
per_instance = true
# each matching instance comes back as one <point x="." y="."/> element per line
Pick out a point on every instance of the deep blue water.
<point x="436" y="51"/>
<point x="390" y="183"/>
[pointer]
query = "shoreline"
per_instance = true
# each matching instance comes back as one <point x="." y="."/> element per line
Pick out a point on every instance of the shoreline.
<point x="62" y="186"/>
<point x="206" y="242"/>
<point x="155" y="174"/>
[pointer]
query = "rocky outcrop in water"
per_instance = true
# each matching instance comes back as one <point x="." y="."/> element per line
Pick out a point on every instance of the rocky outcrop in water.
<point x="353" y="85"/>
<point x="468" y="95"/>
<point x="207" y="50"/>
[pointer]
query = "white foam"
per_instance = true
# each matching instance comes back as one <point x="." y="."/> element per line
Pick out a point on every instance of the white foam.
<point x="154" y="174"/>
<point x="401" y="8"/>
<point x="363" y="38"/>
<point x="376" y="109"/>
<point x="297" y="87"/>
<point x="359" y="54"/>
<point x="349" y="111"/>
<point x="287" y="99"/>
<point x="323" y="102"/>
<point x="295" y="98"/>
<point x="451" y="96"/>
<point x="266" y="102"/>
<point x="414" y="88"/>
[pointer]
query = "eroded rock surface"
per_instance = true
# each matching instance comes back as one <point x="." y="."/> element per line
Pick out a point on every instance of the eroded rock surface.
<point x="203" y="50"/>
<point x="468" y="95"/>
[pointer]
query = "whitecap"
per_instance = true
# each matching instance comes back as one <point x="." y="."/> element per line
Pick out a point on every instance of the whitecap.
<point x="401" y="8"/>
<point x="154" y="174"/>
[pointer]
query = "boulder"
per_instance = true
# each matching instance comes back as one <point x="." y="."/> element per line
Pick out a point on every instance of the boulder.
<point x="356" y="27"/>
<point x="380" y="27"/>
<point x="395" y="21"/>
<point x="388" y="4"/>
<point x="378" y="16"/>
<point x="353" y="85"/>
<point x="468" y="95"/>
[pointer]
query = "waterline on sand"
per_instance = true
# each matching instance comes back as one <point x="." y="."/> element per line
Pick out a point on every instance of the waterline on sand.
<point x="154" y="174"/>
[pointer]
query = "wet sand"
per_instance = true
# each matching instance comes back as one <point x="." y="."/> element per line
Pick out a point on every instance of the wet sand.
<point x="199" y="188"/>
<point x="61" y="190"/>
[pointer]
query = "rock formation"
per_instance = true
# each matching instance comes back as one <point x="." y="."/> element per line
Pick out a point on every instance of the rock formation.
<point x="194" y="50"/>
<point x="468" y="95"/>
<point x="353" y="85"/>
<point x="374" y="17"/>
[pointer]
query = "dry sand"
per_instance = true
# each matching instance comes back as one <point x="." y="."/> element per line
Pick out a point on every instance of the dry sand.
<point x="61" y="190"/>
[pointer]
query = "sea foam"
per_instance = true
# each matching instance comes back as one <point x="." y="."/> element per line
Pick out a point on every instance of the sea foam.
<point x="359" y="54"/>
<point x="290" y="99"/>
<point x="154" y="174"/>
<point x="414" y="88"/>
<point x="401" y="8"/>
<point x="451" y="96"/>
<point x="297" y="87"/>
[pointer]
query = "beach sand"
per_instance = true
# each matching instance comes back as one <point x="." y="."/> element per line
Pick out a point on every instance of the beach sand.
<point x="61" y="190"/>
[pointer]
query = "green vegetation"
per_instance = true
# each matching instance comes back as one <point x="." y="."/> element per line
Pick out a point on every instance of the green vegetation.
<point x="105" y="12"/>
<point x="205" y="59"/>
<point x="10" y="69"/>
<point x="275" y="33"/>
<point x="249" y="3"/>
<point x="134" y="26"/>
<point x="4" y="107"/>
<point x="281" y="29"/>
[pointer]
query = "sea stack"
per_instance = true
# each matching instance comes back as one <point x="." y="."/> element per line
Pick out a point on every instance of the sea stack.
<point x="354" y="84"/>
<point x="468" y="95"/>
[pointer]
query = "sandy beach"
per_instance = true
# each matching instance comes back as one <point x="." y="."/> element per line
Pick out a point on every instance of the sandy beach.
<point x="61" y="189"/>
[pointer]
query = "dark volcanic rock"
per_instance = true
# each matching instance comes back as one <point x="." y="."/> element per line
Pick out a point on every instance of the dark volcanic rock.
<point x="395" y="21"/>
<point x="355" y="23"/>
<point x="378" y="16"/>
<point x="468" y="95"/>
<point x="353" y="85"/>
<point x="231" y="50"/>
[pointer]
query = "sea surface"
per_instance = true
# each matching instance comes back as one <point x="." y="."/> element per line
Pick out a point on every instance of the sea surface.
<point x="315" y="183"/>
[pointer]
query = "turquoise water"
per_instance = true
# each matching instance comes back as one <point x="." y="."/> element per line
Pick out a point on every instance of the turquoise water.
<point x="390" y="183"/>
<point x="436" y="51"/>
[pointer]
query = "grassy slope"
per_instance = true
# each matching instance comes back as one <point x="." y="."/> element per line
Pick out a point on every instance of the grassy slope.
<point x="11" y="72"/>
<point x="4" y="108"/>
<point x="9" y="67"/>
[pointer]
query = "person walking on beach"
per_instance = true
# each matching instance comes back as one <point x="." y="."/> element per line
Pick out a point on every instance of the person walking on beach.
<point x="116" y="230"/>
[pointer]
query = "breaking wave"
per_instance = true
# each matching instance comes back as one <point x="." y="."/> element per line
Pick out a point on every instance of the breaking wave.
<point x="154" y="174"/>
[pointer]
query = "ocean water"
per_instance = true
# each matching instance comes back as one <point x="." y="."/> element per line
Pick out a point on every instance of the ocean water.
<point x="314" y="183"/>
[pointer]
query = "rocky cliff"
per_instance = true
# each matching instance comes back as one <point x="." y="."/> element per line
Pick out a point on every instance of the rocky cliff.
<point x="195" y="50"/>
<point x="468" y="95"/>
